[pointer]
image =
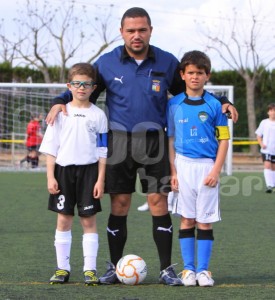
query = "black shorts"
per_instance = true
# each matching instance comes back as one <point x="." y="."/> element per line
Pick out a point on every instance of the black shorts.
<point x="268" y="157"/>
<point x="76" y="184"/>
<point x="145" y="154"/>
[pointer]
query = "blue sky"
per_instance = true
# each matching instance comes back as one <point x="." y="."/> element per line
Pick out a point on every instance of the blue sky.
<point x="178" y="24"/>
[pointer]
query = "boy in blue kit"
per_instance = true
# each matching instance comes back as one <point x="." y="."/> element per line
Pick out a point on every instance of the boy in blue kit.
<point x="76" y="149"/>
<point x="198" y="142"/>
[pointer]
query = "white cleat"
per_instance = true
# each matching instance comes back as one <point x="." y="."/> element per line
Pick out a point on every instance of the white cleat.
<point x="204" y="278"/>
<point x="188" y="278"/>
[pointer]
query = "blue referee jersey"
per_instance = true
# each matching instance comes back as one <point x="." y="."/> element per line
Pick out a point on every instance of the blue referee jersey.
<point x="136" y="94"/>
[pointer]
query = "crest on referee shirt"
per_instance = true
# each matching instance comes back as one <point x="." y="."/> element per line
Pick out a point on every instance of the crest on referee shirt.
<point x="156" y="85"/>
<point x="203" y="116"/>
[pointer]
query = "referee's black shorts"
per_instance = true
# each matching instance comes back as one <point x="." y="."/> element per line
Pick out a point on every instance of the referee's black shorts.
<point x="145" y="154"/>
<point x="76" y="184"/>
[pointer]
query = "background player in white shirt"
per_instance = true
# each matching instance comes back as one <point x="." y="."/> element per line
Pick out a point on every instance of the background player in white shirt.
<point x="198" y="142"/>
<point x="76" y="149"/>
<point x="266" y="139"/>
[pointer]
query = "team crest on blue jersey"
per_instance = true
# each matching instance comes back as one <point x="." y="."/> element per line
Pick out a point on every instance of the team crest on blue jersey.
<point x="203" y="116"/>
<point x="156" y="85"/>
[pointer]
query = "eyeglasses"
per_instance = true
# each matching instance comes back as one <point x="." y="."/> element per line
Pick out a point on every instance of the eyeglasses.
<point x="85" y="84"/>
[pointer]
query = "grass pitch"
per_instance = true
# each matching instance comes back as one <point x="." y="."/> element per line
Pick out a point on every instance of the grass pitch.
<point x="242" y="263"/>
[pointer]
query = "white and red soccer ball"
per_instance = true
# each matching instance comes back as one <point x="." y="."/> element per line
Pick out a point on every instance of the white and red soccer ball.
<point x="131" y="269"/>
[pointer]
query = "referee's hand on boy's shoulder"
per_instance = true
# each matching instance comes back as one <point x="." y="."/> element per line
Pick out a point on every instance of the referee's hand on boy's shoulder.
<point x="54" y="112"/>
<point x="231" y="112"/>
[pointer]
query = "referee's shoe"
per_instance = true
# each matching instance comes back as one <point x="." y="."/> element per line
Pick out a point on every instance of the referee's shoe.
<point x="169" y="277"/>
<point x="110" y="276"/>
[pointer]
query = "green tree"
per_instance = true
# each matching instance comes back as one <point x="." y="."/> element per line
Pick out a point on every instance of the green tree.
<point x="242" y="48"/>
<point x="5" y="72"/>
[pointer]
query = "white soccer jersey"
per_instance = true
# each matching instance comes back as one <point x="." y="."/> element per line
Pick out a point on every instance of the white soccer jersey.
<point x="266" y="130"/>
<point x="73" y="139"/>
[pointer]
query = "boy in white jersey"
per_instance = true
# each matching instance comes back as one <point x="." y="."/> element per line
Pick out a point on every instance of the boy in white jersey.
<point x="266" y="139"/>
<point x="198" y="142"/>
<point x="76" y="149"/>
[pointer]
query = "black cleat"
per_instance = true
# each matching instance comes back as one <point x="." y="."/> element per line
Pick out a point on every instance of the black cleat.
<point x="90" y="277"/>
<point x="60" y="276"/>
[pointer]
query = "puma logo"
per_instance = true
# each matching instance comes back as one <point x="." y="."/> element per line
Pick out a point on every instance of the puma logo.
<point x="165" y="229"/>
<point x="113" y="232"/>
<point x="119" y="79"/>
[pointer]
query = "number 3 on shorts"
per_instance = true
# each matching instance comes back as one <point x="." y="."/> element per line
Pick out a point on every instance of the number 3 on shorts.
<point x="60" y="204"/>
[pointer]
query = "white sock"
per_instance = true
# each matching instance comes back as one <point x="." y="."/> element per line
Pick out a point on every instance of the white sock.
<point x="90" y="248"/>
<point x="62" y="243"/>
<point x="268" y="176"/>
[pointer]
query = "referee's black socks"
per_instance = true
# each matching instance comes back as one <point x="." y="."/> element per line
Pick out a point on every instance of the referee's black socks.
<point x="163" y="237"/>
<point x="117" y="236"/>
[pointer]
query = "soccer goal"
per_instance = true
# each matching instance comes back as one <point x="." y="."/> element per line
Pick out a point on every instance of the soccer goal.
<point x="228" y="91"/>
<point x="19" y="101"/>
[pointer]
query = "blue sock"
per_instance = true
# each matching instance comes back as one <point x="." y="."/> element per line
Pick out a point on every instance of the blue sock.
<point x="187" y="246"/>
<point x="204" y="249"/>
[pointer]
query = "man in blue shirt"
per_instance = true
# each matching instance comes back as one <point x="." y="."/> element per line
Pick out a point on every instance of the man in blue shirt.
<point x="137" y="78"/>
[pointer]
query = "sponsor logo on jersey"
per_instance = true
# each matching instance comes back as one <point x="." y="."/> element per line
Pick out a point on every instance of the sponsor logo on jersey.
<point x="203" y="140"/>
<point x="194" y="131"/>
<point x="80" y="115"/>
<point x="119" y="79"/>
<point x="182" y="121"/>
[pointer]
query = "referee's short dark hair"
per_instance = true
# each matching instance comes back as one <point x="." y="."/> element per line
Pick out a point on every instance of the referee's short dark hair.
<point x="135" y="12"/>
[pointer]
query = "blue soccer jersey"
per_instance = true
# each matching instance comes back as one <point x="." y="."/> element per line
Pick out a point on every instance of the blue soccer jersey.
<point x="197" y="125"/>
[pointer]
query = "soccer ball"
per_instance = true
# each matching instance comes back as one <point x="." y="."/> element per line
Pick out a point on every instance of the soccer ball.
<point x="131" y="269"/>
